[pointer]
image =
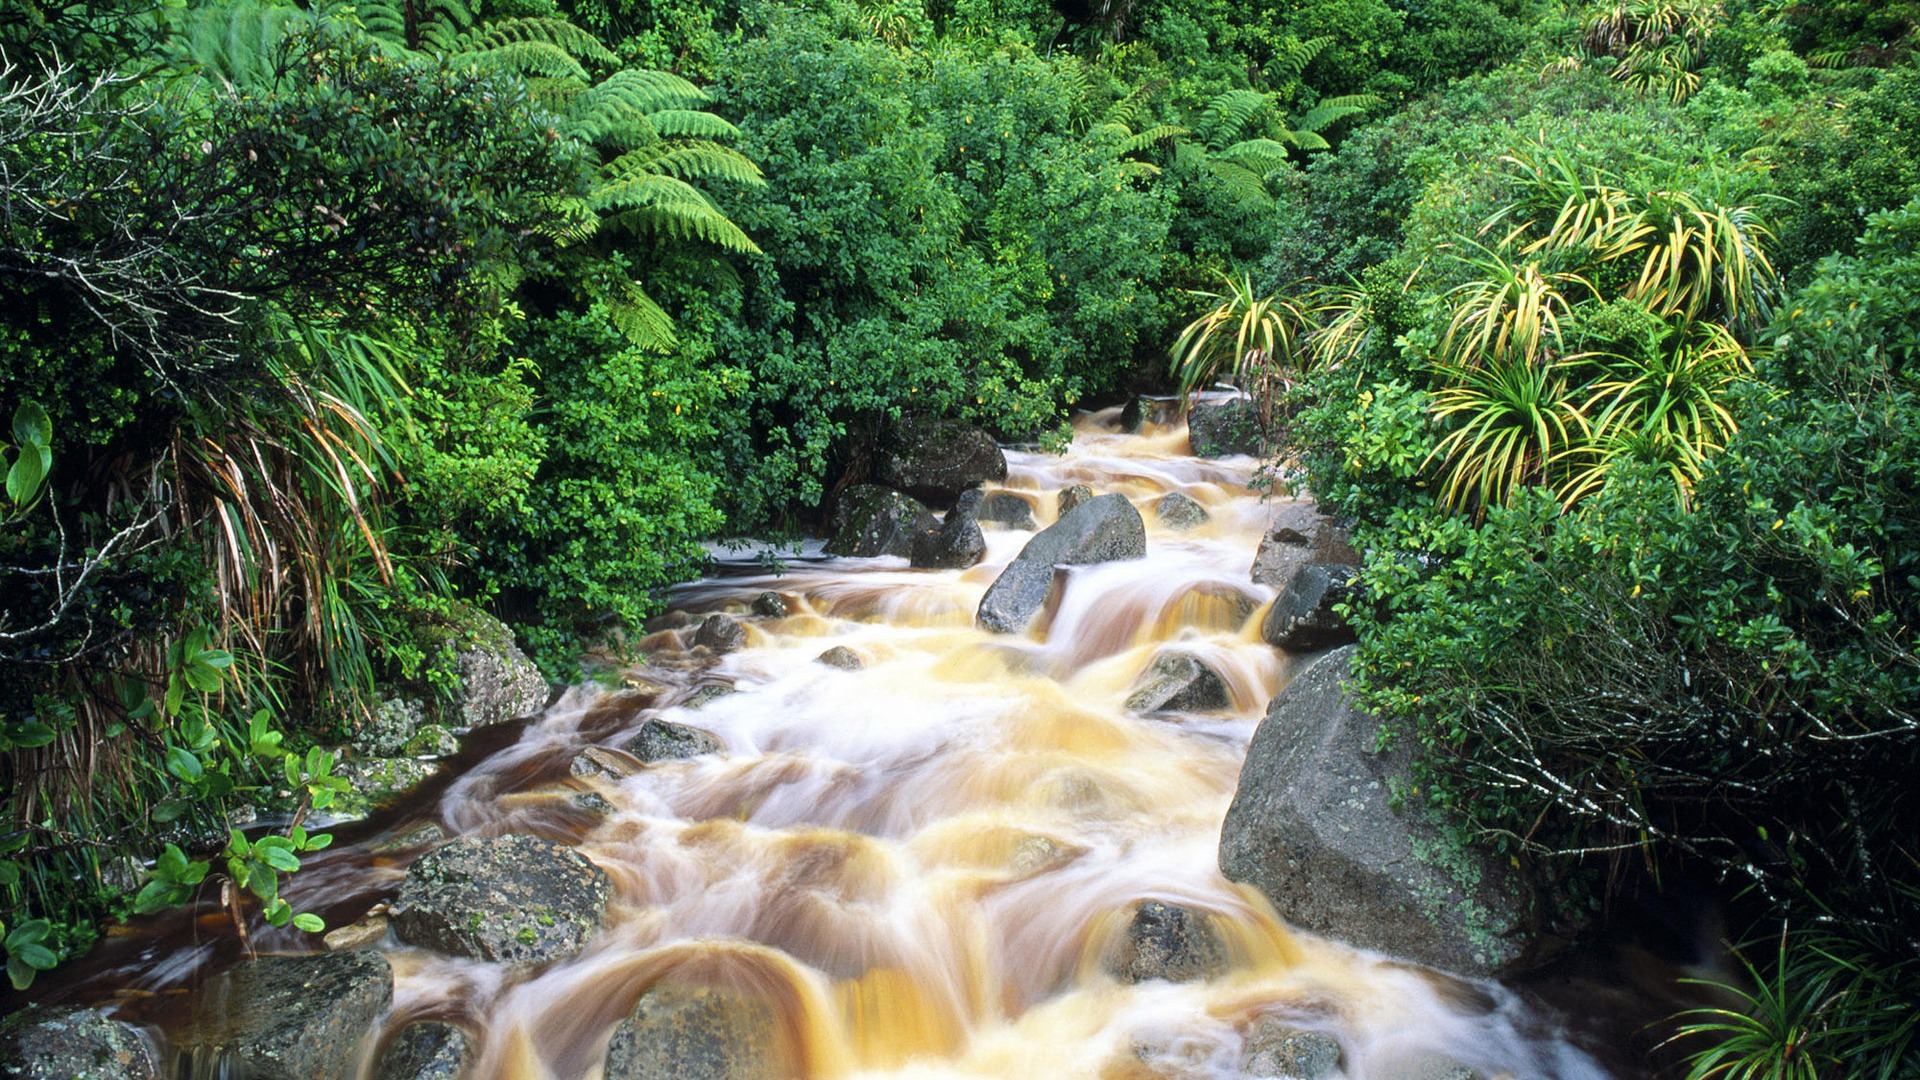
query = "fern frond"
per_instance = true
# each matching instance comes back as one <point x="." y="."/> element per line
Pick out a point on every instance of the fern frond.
<point x="1230" y="113"/>
<point x="1242" y="183"/>
<point x="384" y="22"/>
<point x="567" y="220"/>
<point x="663" y="204"/>
<point x="1335" y="109"/>
<point x="238" y="42"/>
<point x="1150" y="138"/>
<point x="640" y="90"/>
<point x="691" y="124"/>
<point x="694" y="160"/>
<point x="1262" y="156"/>
<point x="1135" y="110"/>
<point x="640" y="320"/>
<point x="1139" y="170"/>
<point x="1293" y="55"/>
<point x="523" y="58"/>
<point x="558" y="33"/>
<point x="1308" y="140"/>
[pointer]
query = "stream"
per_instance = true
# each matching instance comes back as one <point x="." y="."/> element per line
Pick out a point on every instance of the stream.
<point x="922" y="866"/>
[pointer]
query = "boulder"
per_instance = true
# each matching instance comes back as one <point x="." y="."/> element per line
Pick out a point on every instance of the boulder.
<point x="1009" y="509"/>
<point x="74" y="1044"/>
<point x="295" y="1017"/>
<point x="935" y="459"/>
<point x="1180" y="513"/>
<point x="957" y="544"/>
<point x="1302" y="618"/>
<point x="1277" y="1049"/>
<point x="720" y="634"/>
<point x="425" y="1050"/>
<point x="698" y="1033"/>
<point x="1313" y="826"/>
<point x="1099" y="530"/>
<point x="509" y="899"/>
<point x="874" y="521"/>
<point x="1167" y="942"/>
<point x="770" y="604"/>
<point x="1224" y="429"/>
<point x="1071" y="497"/>
<point x="707" y="695"/>
<point x="1299" y="534"/>
<point x="1179" y="682"/>
<point x="841" y="657"/>
<point x="1133" y="415"/>
<point x="664" y="740"/>
<point x="600" y="761"/>
<point x="497" y="681"/>
<point x="377" y="782"/>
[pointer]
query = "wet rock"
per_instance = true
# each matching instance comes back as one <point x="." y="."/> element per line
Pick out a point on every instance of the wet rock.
<point x="698" y="1033"/>
<point x="1179" y="682"/>
<point x="600" y="761"/>
<point x="841" y="657"/>
<point x="421" y="834"/>
<point x="1313" y="826"/>
<point x="1303" y="619"/>
<point x="362" y="934"/>
<point x="591" y="802"/>
<point x="497" y="682"/>
<point x="1299" y="534"/>
<point x="515" y="899"/>
<point x="957" y="544"/>
<point x="1180" y="513"/>
<point x="1427" y="1067"/>
<point x="874" y="521"/>
<point x="664" y="740"/>
<point x="296" y="1017"/>
<point x="73" y="1044"/>
<point x="1133" y="415"/>
<point x="1099" y="530"/>
<point x="392" y="725"/>
<point x="426" y="1050"/>
<point x="1071" y="497"/>
<point x="1224" y="429"/>
<point x="1009" y="509"/>
<point x="720" y="633"/>
<point x="706" y="695"/>
<point x="1277" y="1049"/>
<point x="770" y="604"/>
<point x="1168" y="942"/>
<point x="935" y="459"/>
<point x="377" y="782"/>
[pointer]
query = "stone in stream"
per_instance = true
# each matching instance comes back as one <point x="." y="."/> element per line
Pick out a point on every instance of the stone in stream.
<point x="1099" y="530"/>
<point x="294" y="1017"/>
<point x="770" y="604"/>
<point x="1299" y="534"/>
<point x="1180" y="513"/>
<point x="1071" y="497"/>
<point x="1164" y="941"/>
<point x="664" y="740"/>
<point x="1179" y="682"/>
<point x="720" y="633"/>
<point x="1313" y="826"/>
<point x="1303" y="619"/>
<point x="935" y="459"/>
<point x="1009" y="509"/>
<point x="424" y="1050"/>
<point x="602" y="761"/>
<point x="513" y="899"/>
<point x="497" y="682"/>
<point x="698" y="1033"/>
<point x="1282" y="1050"/>
<point x="841" y="657"/>
<point x="1426" y="1067"/>
<point x="956" y="544"/>
<point x="73" y="1044"/>
<point x="706" y="695"/>
<point x="872" y="521"/>
<point x="1226" y="429"/>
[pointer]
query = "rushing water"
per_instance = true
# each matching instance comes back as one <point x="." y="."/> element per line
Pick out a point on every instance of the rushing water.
<point x="921" y="864"/>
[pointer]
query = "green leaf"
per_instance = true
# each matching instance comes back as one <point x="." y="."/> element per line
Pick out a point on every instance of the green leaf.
<point x="27" y="933"/>
<point x="36" y="956"/>
<point x="280" y="859"/>
<point x="278" y="912"/>
<point x="20" y="973"/>
<point x="23" y="480"/>
<point x="30" y="733"/>
<point x="171" y="864"/>
<point x="31" y="426"/>
<point x="318" y="841"/>
<point x="182" y="763"/>
<point x="9" y="874"/>
<point x="309" y="922"/>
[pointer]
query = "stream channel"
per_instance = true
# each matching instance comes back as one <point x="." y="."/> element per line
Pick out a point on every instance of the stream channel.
<point x="922" y="867"/>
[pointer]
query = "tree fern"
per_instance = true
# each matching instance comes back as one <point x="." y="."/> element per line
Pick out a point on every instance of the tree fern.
<point x="641" y="321"/>
<point x="239" y="42"/>
<point x="669" y="206"/>
<point x="1231" y="113"/>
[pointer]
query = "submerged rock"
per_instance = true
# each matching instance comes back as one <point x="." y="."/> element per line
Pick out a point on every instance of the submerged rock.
<point x="1281" y="1050"/>
<point x="73" y="1044"/>
<point x="707" y="695"/>
<point x="874" y="521"/>
<point x="1009" y="509"/>
<point x="1303" y="619"/>
<point x="720" y="634"/>
<point x="841" y="657"/>
<point x="425" y="1050"/>
<point x="1071" y="497"/>
<point x="1313" y="826"/>
<point x="1299" y="534"/>
<point x="601" y="761"/>
<point x="770" y="604"/>
<point x="1179" y="682"/>
<point x="1180" y="513"/>
<point x="295" y="1017"/>
<point x="955" y="545"/>
<point x="1225" y="429"/>
<point x="664" y="740"/>
<point x="1099" y="530"/>
<point x="1168" y="942"/>
<point x="935" y="459"/>
<point x="698" y="1033"/>
<point x="513" y="899"/>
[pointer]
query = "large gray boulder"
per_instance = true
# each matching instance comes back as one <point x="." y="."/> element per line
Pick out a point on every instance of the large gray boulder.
<point x="1179" y="682"/>
<point x="1225" y="429"/>
<point x="1313" y="826"/>
<point x="935" y="459"/>
<point x="698" y="1033"/>
<point x="1282" y="1050"/>
<point x="512" y="899"/>
<point x="1299" y="534"/>
<point x="1007" y="508"/>
<point x="73" y="1044"/>
<point x="1302" y="618"/>
<point x="874" y="521"/>
<point x="497" y="681"/>
<point x="720" y="633"/>
<point x="957" y="544"/>
<point x="1164" y="941"/>
<point x="294" y="1017"/>
<point x="1102" y="529"/>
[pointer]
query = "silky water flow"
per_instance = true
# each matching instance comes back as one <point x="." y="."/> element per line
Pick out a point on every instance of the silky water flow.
<point x="923" y="868"/>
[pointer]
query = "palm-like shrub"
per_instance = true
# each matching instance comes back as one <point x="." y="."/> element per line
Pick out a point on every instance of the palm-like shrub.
<point x="1517" y="421"/>
<point x="1657" y="45"/>
<point x="1508" y="312"/>
<point x="1257" y="343"/>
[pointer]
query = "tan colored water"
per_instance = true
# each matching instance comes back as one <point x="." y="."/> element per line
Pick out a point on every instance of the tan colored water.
<point x="919" y="865"/>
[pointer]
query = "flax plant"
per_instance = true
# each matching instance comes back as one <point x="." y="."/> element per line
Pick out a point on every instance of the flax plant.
<point x="1256" y="343"/>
